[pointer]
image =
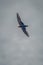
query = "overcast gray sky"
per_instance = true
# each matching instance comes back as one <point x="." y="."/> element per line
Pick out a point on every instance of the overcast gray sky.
<point x="15" y="47"/>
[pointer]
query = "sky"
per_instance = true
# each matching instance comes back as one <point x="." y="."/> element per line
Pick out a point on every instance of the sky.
<point x="15" y="47"/>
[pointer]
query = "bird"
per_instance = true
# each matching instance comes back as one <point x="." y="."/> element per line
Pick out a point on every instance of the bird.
<point x="22" y="25"/>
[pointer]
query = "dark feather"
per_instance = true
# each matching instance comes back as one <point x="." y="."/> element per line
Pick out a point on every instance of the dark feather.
<point x="22" y="26"/>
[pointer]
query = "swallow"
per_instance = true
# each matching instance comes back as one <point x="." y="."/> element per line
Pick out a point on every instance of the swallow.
<point x="22" y="25"/>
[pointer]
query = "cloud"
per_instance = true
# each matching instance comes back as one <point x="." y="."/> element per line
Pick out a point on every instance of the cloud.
<point x="15" y="47"/>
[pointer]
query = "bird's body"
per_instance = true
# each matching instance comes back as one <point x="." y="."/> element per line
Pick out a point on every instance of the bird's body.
<point x="21" y="25"/>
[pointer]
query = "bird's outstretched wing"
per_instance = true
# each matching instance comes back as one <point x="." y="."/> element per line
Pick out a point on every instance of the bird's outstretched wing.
<point x="24" y="30"/>
<point x="19" y="20"/>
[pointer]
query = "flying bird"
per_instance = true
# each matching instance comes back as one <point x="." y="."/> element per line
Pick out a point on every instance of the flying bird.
<point x="21" y="25"/>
